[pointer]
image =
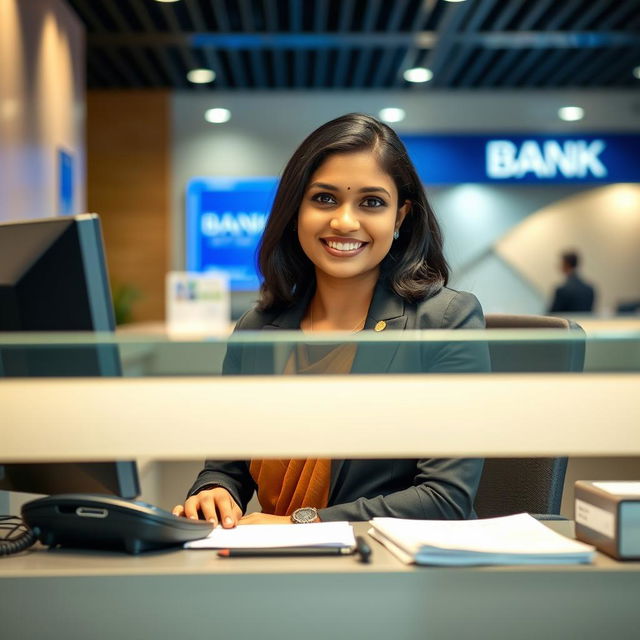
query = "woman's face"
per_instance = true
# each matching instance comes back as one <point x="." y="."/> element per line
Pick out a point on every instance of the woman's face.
<point x="348" y="214"/>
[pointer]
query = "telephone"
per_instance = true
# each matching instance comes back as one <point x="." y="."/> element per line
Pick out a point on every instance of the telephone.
<point x="108" y="522"/>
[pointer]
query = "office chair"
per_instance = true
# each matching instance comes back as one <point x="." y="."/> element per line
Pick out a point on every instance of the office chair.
<point x="532" y="485"/>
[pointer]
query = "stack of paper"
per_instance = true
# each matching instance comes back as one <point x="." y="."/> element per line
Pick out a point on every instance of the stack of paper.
<point x="517" y="539"/>
<point x="273" y="536"/>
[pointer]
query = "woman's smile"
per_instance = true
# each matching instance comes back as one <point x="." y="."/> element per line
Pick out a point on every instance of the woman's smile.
<point x="343" y="247"/>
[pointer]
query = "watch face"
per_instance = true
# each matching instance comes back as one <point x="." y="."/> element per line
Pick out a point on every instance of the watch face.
<point x="305" y="515"/>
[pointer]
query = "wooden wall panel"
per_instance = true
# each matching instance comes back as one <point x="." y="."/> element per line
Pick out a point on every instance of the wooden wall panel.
<point x="128" y="185"/>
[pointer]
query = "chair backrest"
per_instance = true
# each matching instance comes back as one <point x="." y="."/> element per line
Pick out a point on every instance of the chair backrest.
<point x="533" y="485"/>
<point x="532" y="356"/>
<point x="516" y="485"/>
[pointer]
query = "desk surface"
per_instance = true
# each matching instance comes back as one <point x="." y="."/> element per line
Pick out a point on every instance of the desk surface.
<point x="194" y="594"/>
<point x="40" y="562"/>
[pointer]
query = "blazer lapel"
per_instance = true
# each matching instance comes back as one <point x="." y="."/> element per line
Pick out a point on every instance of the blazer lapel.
<point x="269" y="359"/>
<point x="376" y="356"/>
<point x="336" y="468"/>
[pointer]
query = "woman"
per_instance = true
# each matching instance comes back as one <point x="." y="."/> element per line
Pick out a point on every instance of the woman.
<point x="351" y="244"/>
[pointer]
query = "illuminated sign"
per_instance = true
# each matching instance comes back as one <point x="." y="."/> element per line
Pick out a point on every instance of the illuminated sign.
<point x="571" y="159"/>
<point x="225" y="218"/>
<point x="525" y="159"/>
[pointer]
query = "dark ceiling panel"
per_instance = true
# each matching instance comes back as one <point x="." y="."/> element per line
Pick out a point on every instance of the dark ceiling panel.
<point x="361" y="44"/>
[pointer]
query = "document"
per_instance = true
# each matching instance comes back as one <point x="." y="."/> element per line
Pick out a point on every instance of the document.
<point x="517" y="539"/>
<point x="273" y="536"/>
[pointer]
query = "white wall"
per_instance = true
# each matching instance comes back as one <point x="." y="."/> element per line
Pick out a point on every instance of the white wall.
<point x="603" y="222"/>
<point x="41" y="106"/>
<point x="265" y="128"/>
<point x="41" y="110"/>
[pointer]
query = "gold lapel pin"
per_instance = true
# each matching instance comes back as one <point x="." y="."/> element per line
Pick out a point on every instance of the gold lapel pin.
<point x="380" y="326"/>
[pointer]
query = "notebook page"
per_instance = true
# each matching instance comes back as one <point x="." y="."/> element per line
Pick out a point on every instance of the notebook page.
<point x="519" y="533"/>
<point x="261" y="536"/>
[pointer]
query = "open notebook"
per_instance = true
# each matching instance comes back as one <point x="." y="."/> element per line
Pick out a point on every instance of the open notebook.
<point x="274" y="536"/>
<point x="517" y="539"/>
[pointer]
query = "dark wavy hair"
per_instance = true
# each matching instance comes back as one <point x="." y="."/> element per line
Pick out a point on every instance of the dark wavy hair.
<point x="415" y="266"/>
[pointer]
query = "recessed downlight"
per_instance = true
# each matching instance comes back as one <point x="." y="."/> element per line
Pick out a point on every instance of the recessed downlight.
<point x="636" y="72"/>
<point x="392" y="114"/>
<point x="217" y="115"/>
<point x="571" y="114"/>
<point x="418" y="74"/>
<point x="201" y="76"/>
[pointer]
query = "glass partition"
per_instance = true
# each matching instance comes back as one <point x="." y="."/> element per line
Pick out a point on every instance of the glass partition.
<point x="296" y="353"/>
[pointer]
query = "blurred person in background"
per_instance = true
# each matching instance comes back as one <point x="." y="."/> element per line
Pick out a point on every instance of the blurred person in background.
<point x="575" y="295"/>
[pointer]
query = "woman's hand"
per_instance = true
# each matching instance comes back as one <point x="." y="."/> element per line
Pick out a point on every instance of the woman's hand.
<point x="264" y="518"/>
<point x="216" y="505"/>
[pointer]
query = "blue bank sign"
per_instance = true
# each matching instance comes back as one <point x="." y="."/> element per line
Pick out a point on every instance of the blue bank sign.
<point x="225" y="219"/>
<point x="525" y="159"/>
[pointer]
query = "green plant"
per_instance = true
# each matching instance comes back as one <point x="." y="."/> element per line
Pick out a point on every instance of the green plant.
<point x="124" y="296"/>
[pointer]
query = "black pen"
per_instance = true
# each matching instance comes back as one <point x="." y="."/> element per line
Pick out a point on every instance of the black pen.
<point x="363" y="549"/>
<point x="280" y="552"/>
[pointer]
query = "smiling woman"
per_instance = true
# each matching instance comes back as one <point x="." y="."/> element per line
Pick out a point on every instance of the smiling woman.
<point x="351" y="243"/>
<point x="346" y="223"/>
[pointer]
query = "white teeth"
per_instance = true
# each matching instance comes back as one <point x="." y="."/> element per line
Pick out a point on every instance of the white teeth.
<point x="344" y="246"/>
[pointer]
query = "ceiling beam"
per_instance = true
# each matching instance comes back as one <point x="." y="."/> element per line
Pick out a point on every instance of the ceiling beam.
<point x="448" y="72"/>
<point x="346" y="9"/>
<point x="424" y="39"/>
<point x="390" y="53"/>
<point x="320" y="17"/>
<point x="449" y="41"/>
<point x="270" y="11"/>
<point x="507" y="60"/>
<point x="364" y="56"/>
<point x="237" y="75"/>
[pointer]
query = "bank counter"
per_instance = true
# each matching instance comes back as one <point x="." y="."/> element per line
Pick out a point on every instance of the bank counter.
<point x="163" y="400"/>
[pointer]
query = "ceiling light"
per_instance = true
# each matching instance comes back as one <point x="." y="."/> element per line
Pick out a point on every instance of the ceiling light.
<point x="166" y="0"/>
<point x="454" y="0"/>
<point x="217" y="115"/>
<point x="418" y="74"/>
<point x="570" y="114"/>
<point x="636" y="72"/>
<point x="392" y="114"/>
<point x="201" y="76"/>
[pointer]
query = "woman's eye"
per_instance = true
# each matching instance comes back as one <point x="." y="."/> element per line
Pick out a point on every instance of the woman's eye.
<point x="324" y="198"/>
<point x="373" y="202"/>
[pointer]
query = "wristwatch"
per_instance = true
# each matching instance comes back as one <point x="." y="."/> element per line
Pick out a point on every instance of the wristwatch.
<point x="304" y="515"/>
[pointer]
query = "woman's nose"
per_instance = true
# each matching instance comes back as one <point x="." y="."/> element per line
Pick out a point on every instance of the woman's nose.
<point x="345" y="220"/>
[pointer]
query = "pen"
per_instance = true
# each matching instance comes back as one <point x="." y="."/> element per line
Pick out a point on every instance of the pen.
<point x="280" y="552"/>
<point x="363" y="549"/>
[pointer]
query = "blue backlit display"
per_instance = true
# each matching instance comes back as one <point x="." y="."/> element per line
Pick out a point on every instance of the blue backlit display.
<point x="501" y="159"/>
<point x="225" y="218"/>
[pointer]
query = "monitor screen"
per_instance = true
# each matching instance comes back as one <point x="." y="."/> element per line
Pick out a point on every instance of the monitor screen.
<point x="53" y="277"/>
<point x="119" y="478"/>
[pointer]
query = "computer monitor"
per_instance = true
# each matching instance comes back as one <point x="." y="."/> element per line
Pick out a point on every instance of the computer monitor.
<point x="53" y="278"/>
<point x="119" y="478"/>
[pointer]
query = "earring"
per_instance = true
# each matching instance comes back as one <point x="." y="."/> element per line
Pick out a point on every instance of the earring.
<point x="396" y="234"/>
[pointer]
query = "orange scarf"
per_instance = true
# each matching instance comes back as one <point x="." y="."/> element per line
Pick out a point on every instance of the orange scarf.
<point x="287" y="485"/>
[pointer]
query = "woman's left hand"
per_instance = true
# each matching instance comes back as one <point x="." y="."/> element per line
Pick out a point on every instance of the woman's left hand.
<point x="264" y="518"/>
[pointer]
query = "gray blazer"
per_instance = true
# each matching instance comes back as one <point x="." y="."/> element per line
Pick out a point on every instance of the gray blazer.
<point x="427" y="488"/>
